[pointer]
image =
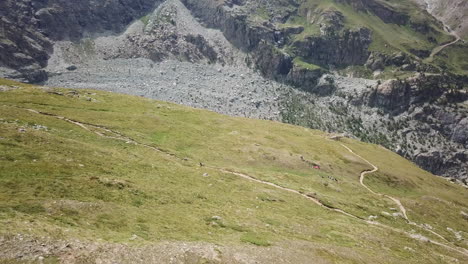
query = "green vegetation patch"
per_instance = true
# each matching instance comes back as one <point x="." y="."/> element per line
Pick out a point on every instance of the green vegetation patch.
<point x="145" y="171"/>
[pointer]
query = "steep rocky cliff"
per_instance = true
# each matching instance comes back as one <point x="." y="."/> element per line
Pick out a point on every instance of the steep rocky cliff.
<point x="397" y="96"/>
<point x="29" y="28"/>
<point x="433" y="101"/>
<point x="346" y="48"/>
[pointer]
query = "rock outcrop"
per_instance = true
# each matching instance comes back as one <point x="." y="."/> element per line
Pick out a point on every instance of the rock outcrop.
<point x="29" y="28"/>
<point x="460" y="133"/>
<point x="264" y="41"/>
<point x="430" y="101"/>
<point x="307" y="79"/>
<point x="346" y="48"/>
<point x="397" y="96"/>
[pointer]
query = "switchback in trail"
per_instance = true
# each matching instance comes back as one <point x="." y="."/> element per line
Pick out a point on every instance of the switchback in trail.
<point x="395" y="200"/>
<point x="438" y="49"/>
<point x="111" y="134"/>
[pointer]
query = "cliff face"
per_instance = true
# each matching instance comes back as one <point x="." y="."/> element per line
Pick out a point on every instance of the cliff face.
<point x="349" y="47"/>
<point x="233" y="23"/>
<point x="431" y="104"/>
<point x="61" y="19"/>
<point x="22" y="45"/>
<point x="30" y="27"/>
<point x="265" y="41"/>
<point x="397" y="96"/>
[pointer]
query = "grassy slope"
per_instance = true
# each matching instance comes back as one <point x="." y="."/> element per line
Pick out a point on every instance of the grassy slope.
<point x="387" y="38"/>
<point x="70" y="183"/>
<point x="454" y="58"/>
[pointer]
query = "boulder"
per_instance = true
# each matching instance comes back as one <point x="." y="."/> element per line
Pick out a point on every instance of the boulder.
<point x="460" y="132"/>
<point x="72" y="68"/>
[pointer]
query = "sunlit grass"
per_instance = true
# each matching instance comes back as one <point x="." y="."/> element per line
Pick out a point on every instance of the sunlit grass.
<point x="66" y="182"/>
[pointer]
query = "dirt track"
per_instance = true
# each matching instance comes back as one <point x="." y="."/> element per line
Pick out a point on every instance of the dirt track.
<point x="108" y="133"/>
<point x="438" y="49"/>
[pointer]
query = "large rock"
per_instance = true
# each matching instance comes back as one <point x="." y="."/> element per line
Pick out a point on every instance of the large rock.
<point x="346" y="48"/>
<point x="308" y="80"/>
<point x="271" y="61"/>
<point x="440" y="163"/>
<point x="396" y="96"/>
<point x="460" y="132"/>
<point x="392" y="95"/>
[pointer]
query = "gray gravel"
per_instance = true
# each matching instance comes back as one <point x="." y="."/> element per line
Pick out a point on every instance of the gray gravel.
<point x="229" y="90"/>
<point x="121" y="63"/>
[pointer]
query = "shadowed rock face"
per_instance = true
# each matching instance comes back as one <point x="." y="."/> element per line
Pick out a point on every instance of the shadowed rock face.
<point x="347" y="48"/>
<point x="61" y="19"/>
<point x="397" y="96"/>
<point x="28" y="28"/>
<point x="22" y="45"/>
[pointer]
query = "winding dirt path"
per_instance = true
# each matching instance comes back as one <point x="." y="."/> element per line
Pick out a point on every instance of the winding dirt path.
<point x="111" y="134"/>
<point x="309" y="197"/>
<point x="438" y="49"/>
<point x="395" y="200"/>
<point x="375" y="169"/>
<point x="103" y="132"/>
<point x="118" y="136"/>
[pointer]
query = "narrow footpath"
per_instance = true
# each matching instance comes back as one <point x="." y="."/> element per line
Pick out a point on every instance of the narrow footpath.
<point x="438" y="49"/>
<point x="395" y="200"/>
<point x="109" y="133"/>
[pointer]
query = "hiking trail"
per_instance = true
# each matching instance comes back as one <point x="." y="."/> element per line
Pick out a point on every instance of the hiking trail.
<point x="395" y="200"/>
<point x="102" y="130"/>
<point x="438" y="49"/>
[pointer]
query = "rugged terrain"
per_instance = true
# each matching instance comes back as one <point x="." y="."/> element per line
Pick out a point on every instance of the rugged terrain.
<point x="453" y="13"/>
<point x="382" y="71"/>
<point x="143" y="181"/>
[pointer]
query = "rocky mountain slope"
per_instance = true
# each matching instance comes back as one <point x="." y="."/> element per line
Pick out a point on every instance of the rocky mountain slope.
<point x="96" y="177"/>
<point x="366" y="68"/>
<point x="452" y="13"/>
<point x="29" y="28"/>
